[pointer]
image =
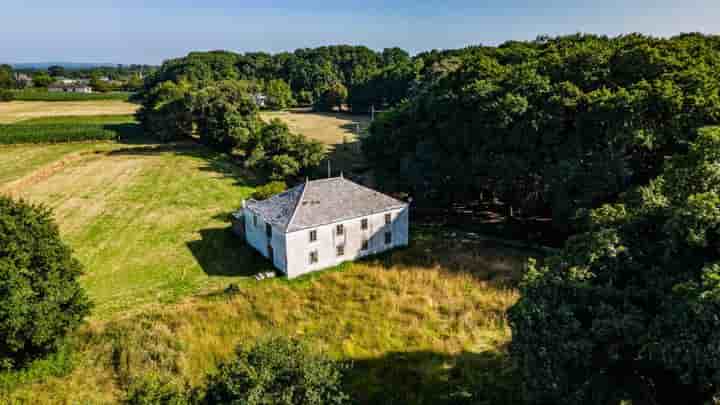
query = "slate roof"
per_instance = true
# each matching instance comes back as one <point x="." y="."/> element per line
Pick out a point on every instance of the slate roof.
<point x="321" y="202"/>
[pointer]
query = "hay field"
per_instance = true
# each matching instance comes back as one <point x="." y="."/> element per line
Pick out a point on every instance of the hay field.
<point x="21" y="110"/>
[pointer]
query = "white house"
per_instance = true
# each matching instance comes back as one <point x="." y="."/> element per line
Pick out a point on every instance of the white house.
<point x="322" y="223"/>
<point x="69" y="88"/>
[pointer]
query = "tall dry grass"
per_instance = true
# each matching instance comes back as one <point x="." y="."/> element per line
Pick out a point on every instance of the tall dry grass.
<point x="415" y="319"/>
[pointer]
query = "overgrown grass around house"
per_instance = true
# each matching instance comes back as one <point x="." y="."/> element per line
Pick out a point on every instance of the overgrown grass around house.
<point x="44" y="95"/>
<point x="423" y="325"/>
<point x="69" y="129"/>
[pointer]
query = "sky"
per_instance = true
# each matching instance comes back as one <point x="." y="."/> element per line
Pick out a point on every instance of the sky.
<point x="150" y="31"/>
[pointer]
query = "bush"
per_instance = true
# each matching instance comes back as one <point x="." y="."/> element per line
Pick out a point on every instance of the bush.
<point x="152" y="389"/>
<point x="277" y="371"/>
<point x="269" y="190"/>
<point x="40" y="297"/>
<point x="7" y="95"/>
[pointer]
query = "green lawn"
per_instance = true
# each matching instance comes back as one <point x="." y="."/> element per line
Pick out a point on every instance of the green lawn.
<point x="148" y="222"/>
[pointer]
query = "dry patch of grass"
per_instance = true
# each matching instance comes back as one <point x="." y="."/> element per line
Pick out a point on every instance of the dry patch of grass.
<point x="328" y="128"/>
<point x="418" y="326"/>
<point x="21" y="110"/>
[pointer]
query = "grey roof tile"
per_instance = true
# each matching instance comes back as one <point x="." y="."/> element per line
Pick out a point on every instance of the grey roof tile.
<point x="322" y="202"/>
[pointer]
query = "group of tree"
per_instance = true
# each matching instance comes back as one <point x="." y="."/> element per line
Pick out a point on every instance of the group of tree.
<point x="629" y="309"/>
<point x="550" y="127"/>
<point x="224" y="115"/>
<point x="275" y="370"/>
<point x="327" y="77"/>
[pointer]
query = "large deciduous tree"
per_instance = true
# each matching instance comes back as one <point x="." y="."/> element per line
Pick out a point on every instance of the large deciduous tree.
<point x="629" y="309"/>
<point x="41" y="300"/>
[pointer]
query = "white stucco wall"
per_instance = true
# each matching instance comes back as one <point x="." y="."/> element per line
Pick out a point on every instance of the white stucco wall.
<point x="299" y="245"/>
<point x="257" y="238"/>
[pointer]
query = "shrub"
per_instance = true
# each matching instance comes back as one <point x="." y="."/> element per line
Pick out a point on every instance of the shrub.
<point x="152" y="389"/>
<point x="7" y="95"/>
<point x="269" y="190"/>
<point x="277" y="371"/>
<point x="40" y="297"/>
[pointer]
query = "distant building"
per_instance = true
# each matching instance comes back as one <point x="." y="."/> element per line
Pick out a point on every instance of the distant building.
<point x="23" y="80"/>
<point x="69" y="88"/>
<point x="322" y="223"/>
<point x="260" y="99"/>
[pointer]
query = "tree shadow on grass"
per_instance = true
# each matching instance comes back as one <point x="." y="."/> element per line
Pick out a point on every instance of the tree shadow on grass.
<point x="488" y="261"/>
<point x="220" y="252"/>
<point x="426" y="377"/>
<point x="214" y="161"/>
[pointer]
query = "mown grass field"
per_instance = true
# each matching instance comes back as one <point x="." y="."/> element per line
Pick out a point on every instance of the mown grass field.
<point x="69" y="129"/>
<point x="423" y="325"/>
<point x="44" y="95"/>
<point x="336" y="130"/>
<point x="15" y="111"/>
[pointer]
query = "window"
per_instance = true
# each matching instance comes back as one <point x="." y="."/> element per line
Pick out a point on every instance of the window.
<point x="313" y="236"/>
<point x="313" y="257"/>
<point x="364" y="224"/>
<point x="255" y="220"/>
<point x="339" y="229"/>
<point x="341" y="250"/>
<point x="364" y="245"/>
<point x="388" y="219"/>
<point x="388" y="238"/>
<point x="268" y="230"/>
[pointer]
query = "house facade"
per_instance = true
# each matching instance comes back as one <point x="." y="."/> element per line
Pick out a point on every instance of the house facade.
<point x="69" y="88"/>
<point x="322" y="223"/>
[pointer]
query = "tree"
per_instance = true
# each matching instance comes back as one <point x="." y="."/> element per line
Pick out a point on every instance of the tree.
<point x="629" y="309"/>
<point x="6" y="77"/>
<point x="268" y="190"/>
<point x="56" y="71"/>
<point x="42" y="80"/>
<point x="7" y="95"/>
<point x="226" y="115"/>
<point x="277" y="371"/>
<point x="167" y="111"/>
<point x="333" y="96"/>
<point x="99" y="85"/>
<point x="41" y="300"/>
<point x="279" y="95"/>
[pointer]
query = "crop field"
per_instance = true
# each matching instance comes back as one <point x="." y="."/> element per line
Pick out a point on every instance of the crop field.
<point x="43" y="95"/>
<point x="15" y="111"/>
<point x="69" y="129"/>
<point x="149" y="222"/>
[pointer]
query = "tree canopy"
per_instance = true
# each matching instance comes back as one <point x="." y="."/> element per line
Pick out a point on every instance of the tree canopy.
<point x="552" y="126"/>
<point x="629" y="309"/>
<point x="40" y="297"/>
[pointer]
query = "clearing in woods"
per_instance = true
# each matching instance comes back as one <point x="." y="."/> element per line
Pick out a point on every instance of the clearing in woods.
<point x="336" y="130"/>
<point x="149" y="222"/>
<point x="21" y="110"/>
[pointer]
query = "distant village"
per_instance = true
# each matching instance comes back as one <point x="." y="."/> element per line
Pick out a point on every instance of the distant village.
<point x="57" y="79"/>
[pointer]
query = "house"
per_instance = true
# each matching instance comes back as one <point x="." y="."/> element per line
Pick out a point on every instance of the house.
<point x="23" y="80"/>
<point x="260" y="99"/>
<point x="322" y="223"/>
<point x="69" y="88"/>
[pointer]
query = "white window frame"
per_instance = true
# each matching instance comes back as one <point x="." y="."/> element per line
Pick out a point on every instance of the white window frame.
<point x="314" y="257"/>
<point x="312" y="236"/>
<point x="340" y="250"/>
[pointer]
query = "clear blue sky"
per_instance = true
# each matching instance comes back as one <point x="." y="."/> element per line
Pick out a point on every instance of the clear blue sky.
<point x="149" y="31"/>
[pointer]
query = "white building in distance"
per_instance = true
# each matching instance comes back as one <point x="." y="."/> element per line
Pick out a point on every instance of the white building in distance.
<point x="323" y="223"/>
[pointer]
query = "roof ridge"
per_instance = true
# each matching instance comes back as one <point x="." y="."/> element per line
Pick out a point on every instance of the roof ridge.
<point x="297" y="204"/>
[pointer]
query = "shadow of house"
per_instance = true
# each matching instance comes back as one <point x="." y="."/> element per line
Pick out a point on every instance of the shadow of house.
<point x="219" y="252"/>
<point x="425" y="377"/>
